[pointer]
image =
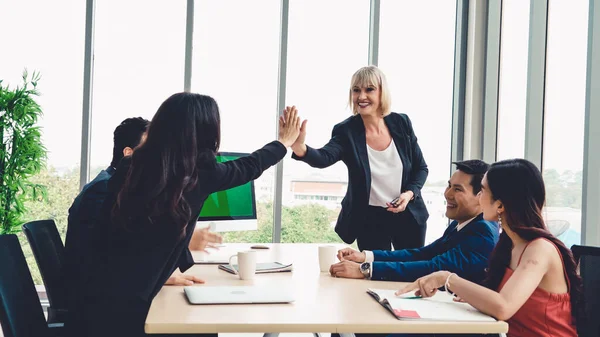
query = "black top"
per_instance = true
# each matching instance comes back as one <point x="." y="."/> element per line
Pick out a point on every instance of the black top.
<point x="348" y="143"/>
<point x="126" y="268"/>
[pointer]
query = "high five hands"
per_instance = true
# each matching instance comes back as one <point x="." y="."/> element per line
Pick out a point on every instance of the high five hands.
<point x="290" y="127"/>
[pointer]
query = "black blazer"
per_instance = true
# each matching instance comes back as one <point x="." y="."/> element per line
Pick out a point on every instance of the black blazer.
<point x="349" y="144"/>
<point x="127" y="267"/>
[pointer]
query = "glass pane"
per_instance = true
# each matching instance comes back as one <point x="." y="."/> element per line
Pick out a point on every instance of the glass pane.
<point x="513" y="79"/>
<point x="54" y="46"/>
<point x="235" y="62"/>
<point x="138" y="63"/>
<point x="566" y="58"/>
<point x="418" y="58"/>
<point x="322" y="56"/>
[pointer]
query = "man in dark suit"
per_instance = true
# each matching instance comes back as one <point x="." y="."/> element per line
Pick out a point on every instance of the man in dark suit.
<point x="86" y="206"/>
<point x="463" y="249"/>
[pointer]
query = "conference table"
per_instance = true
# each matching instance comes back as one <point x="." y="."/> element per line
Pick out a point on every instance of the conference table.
<point x="322" y="303"/>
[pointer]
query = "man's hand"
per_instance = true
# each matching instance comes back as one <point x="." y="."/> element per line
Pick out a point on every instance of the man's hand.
<point x="349" y="254"/>
<point x="346" y="269"/>
<point x="179" y="279"/>
<point x="203" y="238"/>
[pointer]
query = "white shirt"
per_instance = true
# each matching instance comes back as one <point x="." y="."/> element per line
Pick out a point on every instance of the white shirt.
<point x="462" y="225"/>
<point x="386" y="175"/>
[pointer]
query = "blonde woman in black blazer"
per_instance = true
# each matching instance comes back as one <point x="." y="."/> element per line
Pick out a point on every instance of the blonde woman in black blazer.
<point x="366" y="140"/>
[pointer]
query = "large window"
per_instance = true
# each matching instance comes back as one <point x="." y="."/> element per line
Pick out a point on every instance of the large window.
<point x="417" y="56"/>
<point x="53" y="45"/>
<point x="138" y="63"/>
<point x="322" y="56"/>
<point x="564" y="117"/>
<point x="235" y="61"/>
<point x="512" y="100"/>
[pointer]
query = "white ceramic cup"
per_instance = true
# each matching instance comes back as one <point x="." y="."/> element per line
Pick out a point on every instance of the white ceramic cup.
<point x="246" y="263"/>
<point x="327" y="257"/>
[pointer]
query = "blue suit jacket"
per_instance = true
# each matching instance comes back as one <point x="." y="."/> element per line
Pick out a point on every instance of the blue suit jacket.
<point x="465" y="253"/>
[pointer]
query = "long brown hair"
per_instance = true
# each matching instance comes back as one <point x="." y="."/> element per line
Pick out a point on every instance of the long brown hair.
<point x="183" y="136"/>
<point x="518" y="184"/>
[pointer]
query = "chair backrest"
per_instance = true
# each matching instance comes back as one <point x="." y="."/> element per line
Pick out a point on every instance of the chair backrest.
<point x="21" y="313"/>
<point x="589" y="269"/>
<point x="49" y="253"/>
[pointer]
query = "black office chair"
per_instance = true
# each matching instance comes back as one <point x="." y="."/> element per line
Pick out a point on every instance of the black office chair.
<point x="588" y="259"/>
<point x="21" y="313"/>
<point x="48" y="250"/>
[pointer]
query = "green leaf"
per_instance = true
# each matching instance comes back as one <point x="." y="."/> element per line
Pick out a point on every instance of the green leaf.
<point x="22" y="154"/>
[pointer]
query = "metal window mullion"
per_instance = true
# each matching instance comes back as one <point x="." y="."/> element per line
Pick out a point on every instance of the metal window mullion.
<point x="374" y="19"/>
<point x="492" y="81"/>
<point x="281" y="93"/>
<point x="189" y="44"/>
<point x="459" y="87"/>
<point x="88" y="79"/>
<point x="591" y="162"/>
<point x="474" y="92"/>
<point x="536" y="78"/>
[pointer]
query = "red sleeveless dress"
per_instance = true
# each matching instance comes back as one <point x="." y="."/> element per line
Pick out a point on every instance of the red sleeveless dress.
<point x="544" y="314"/>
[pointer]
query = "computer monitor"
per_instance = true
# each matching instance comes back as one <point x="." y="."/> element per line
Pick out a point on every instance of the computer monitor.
<point x="230" y="210"/>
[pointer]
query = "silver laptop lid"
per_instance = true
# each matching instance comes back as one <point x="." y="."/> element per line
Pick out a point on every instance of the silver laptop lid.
<point x="237" y="295"/>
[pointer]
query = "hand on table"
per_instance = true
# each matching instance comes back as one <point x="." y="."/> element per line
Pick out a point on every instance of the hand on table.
<point x="346" y="269"/>
<point x="203" y="238"/>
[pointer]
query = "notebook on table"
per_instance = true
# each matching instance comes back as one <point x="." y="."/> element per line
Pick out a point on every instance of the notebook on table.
<point x="261" y="268"/>
<point x="439" y="307"/>
<point x="237" y="295"/>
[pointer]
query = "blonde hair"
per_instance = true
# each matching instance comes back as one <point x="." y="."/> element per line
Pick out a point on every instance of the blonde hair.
<point x="371" y="76"/>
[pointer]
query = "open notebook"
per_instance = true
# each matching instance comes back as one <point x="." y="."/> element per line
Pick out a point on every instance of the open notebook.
<point x="439" y="307"/>
<point x="261" y="268"/>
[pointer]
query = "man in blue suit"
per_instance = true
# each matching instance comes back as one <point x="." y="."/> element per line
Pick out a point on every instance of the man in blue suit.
<point x="464" y="248"/>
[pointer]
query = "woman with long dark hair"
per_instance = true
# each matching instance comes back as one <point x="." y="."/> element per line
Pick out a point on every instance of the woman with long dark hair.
<point x="150" y="215"/>
<point x="532" y="279"/>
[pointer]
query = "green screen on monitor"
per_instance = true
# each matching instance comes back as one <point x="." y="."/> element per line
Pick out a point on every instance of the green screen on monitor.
<point x="234" y="203"/>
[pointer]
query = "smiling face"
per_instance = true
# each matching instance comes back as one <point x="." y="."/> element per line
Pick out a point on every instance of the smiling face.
<point x="366" y="99"/>
<point x="369" y="93"/>
<point x="461" y="203"/>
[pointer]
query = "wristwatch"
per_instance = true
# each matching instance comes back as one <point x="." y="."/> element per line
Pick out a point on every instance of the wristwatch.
<point x="365" y="269"/>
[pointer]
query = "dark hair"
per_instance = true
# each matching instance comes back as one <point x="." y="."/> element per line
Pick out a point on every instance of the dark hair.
<point x="475" y="167"/>
<point x="184" y="136"/>
<point x="518" y="184"/>
<point x="127" y="134"/>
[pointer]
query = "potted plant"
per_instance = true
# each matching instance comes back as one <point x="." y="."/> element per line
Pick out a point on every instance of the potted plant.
<point x="22" y="154"/>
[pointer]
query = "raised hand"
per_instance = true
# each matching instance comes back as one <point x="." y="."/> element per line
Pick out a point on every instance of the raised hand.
<point x="299" y="147"/>
<point x="289" y="126"/>
<point x="349" y="254"/>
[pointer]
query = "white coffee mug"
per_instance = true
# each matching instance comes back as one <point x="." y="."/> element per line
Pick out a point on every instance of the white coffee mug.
<point x="246" y="264"/>
<point x="327" y="257"/>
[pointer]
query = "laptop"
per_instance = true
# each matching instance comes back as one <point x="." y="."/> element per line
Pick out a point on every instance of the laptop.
<point x="237" y="295"/>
